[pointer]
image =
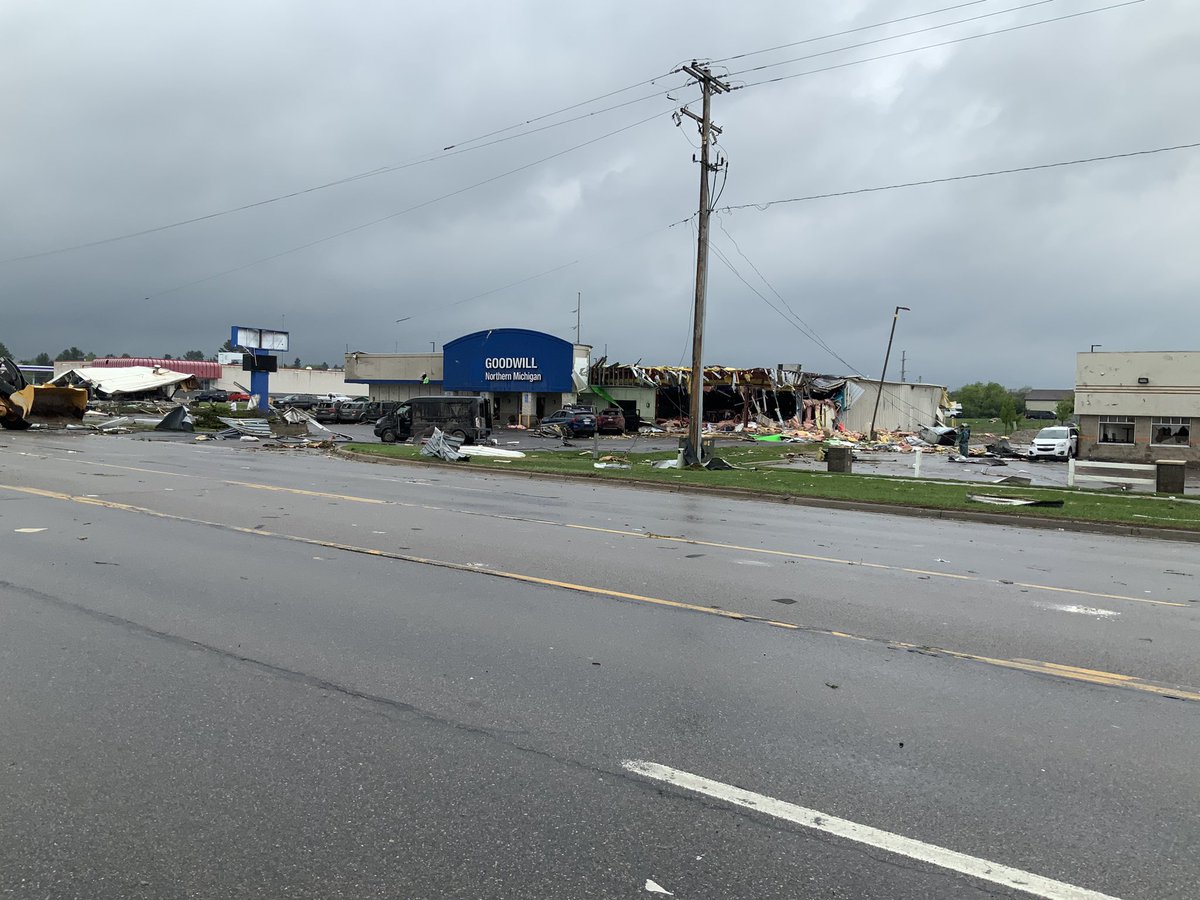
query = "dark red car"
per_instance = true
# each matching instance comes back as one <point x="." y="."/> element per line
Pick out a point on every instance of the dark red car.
<point x="611" y="421"/>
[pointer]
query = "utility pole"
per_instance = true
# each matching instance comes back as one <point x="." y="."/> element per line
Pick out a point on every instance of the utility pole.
<point x="578" y="312"/>
<point x="883" y="375"/>
<point x="709" y="85"/>
<point x="903" y="361"/>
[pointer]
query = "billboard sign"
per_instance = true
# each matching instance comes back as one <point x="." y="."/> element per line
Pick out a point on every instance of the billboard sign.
<point x="259" y="339"/>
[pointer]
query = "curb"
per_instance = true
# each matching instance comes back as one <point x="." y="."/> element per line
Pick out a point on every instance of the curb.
<point x="918" y="512"/>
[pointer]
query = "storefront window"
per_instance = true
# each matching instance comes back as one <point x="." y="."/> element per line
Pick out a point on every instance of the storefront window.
<point x="1116" y="429"/>
<point x="1170" y="430"/>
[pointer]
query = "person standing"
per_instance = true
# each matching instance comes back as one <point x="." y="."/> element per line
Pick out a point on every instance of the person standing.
<point x="964" y="439"/>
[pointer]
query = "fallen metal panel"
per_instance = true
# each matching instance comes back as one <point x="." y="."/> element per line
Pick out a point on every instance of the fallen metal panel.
<point x="251" y="427"/>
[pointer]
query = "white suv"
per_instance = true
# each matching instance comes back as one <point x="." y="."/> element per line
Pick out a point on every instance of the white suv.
<point x="1055" y="442"/>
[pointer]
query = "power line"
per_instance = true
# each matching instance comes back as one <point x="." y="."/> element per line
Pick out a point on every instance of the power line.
<point x="813" y="332"/>
<point x="423" y="204"/>
<point x="823" y="37"/>
<point x="803" y="330"/>
<point x="972" y="37"/>
<point x="893" y="37"/>
<point x="908" y="184"/>
<point x="807" y="331"/>
<point x="450" y="150"/>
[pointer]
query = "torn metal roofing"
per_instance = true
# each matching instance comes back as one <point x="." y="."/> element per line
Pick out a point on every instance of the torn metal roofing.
<point x="127" y="380"/>
<point x="622" y="374"/>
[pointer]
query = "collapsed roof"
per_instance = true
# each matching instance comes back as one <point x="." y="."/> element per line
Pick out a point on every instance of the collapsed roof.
<point x="128" y="381"/>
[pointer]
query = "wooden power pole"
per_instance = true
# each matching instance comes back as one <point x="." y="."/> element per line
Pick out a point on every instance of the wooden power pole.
<point x="709" y="85"/>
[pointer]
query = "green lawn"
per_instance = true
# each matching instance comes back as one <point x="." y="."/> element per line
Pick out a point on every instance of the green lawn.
<point x="1090" y="506"/>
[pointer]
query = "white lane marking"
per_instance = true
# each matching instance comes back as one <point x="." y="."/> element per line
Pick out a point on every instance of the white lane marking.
<point x="751" y="562"/>
<point x="1093" y="611"/>
<point x="28" y="530"/>
<point x="972" y="866"/>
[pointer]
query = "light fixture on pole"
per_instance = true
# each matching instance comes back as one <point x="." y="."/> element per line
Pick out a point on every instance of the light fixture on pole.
<point x="883" y="375"/>
<point x="1094" y="346"/>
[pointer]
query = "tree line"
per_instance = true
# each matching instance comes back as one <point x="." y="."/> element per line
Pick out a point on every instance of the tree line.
<point x="994" y="401"/>
<point x="74" y="353"/>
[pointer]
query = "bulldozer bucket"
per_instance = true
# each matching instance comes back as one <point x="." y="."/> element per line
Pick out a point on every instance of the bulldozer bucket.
<point x="43" y="404"/>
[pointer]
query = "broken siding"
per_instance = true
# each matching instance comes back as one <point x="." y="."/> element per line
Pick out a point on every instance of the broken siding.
<point x="903" y="406"/>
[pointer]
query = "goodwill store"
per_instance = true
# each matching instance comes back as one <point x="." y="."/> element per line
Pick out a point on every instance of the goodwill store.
<point x="526" y="374"/>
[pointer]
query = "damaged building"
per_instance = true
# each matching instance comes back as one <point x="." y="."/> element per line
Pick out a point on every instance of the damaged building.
<point x="780" y="394"/>
<point x="127" y="382"/>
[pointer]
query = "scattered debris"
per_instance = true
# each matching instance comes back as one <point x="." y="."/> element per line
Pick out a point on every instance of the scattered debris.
<point x="1014" y="501"/>
<point x="441" y="447"/>
<point x="178" y="419"/>
<point x="473" y="450"/>
<point x="655" y="888"/>
<point x="1023" y="480"/>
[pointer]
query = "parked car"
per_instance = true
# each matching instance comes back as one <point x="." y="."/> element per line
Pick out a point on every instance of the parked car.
<point x="298" y="401"/>
<point x="1055" y="442"/>
<point x="611" y="420"/>
<point x="1039" y="414"/>
<point x="574" y="422"/>
<point x="215" y="395"/>
<point x="358" y="409"/>
<point x="238" y="395"/>
<point x="325" y="411"/>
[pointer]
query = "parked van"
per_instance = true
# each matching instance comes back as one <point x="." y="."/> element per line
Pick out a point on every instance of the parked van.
<point x="465" y="418"/>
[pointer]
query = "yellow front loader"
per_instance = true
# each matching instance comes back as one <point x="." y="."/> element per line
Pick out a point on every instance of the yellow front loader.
<point x="23" y="404"/>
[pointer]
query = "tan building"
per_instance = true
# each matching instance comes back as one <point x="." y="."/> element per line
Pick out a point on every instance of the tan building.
<point x="1042" y="400"/>
<point x="1138" y="406"/>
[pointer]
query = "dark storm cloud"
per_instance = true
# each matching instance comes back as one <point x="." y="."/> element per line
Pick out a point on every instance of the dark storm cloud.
<point x="131" y="115"/>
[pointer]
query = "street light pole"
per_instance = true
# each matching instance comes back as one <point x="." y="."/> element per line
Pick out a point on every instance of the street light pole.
<point x="883" y="374"/>
<point x="1094" y="346"/>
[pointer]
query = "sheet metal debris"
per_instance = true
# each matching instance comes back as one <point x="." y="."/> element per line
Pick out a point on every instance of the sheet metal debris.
<point x="178" y="419"/>
<point x="1014" y="501"/>
<point x="441" y="447"/>
<point x="127" y="381"/>
<point x="259" y="428"/>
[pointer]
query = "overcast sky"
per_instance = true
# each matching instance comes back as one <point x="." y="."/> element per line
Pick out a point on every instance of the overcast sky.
<point x="125" y="116"/>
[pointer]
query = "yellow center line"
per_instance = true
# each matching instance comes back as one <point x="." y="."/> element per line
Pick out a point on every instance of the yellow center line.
<point x="304" y="493"/>
<point x="718" y="545"/>
<point x="1057" y="670"/>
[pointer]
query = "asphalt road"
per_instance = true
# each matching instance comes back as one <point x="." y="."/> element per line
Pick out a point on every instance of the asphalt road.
<point x="245" y="673"/>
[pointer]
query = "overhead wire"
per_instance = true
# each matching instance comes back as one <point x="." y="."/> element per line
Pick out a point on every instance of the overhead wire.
<point x="790" y="319"/>
<point x="820" y="341"/>
<point x="807" y="330"/>
<point x="908" y="184"/>
<point x="892" y="37"/>
<point x="406" y="210"/>
<point x="450" y="150"/>
<point x="848" y="31"/>
<point x="959" y="40"/>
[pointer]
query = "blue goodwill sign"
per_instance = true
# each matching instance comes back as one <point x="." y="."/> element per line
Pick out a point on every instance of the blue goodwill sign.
<point x="508" y="359"/>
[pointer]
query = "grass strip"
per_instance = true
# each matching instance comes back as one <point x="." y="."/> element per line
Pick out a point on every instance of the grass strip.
<point x="1079" y="505"/>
